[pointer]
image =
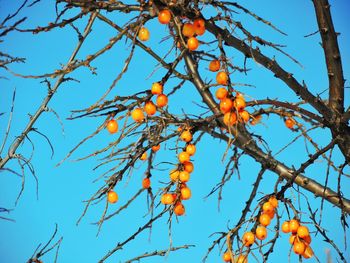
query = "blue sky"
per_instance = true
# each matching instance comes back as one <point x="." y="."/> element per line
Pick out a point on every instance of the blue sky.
<point x="62" y="189"/>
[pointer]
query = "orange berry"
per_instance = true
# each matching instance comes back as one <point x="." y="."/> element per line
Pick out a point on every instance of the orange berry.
<point x="285" y="227"/>
<point x="303" y="231"/>
<point x="192" y="43"/>
<point x="188" y="167"/>
<point x="244" y="116"/>
<point x="267" y="207"/>
<point x="186" y="136"/>
<point x="150" y="108"/>
<point x="214" y="65"/>
<point x="270" y="214"/>
<point x="184" y="157"/>
<point x="137" y="115"/>
<point x="112" y="126"/>
<point x="112" y="197"/>
<point x="143" y="34"/>
<point x="261" y="232"/>
<point x="146" y="183"/>
<point x="294" y="225"/>
<point x="222" y="78"/>
<point x="186" y="193"/>
<point x="191" y="149"/>
<point x="226" y="105"/>
<point x="143" y="156"/>
<point x="230" y="118"/>
<point x="188" y="30"/>
<point x="308" y="253"/>
<point x="164" y="16"/>
<point x="162" y="100"/>
<point x="184" y="176"/>
<point x="167" y="199"/>
<point x="264" y="219"/>
<point x="221" y="93"/>
<point x="199" y="26"/>
<point x="248" y="239"/>
<point x="299" y="247"/>
<point x="239" y="103"/>
<point x="242" y="259"/>
<point x="274" y="202"/>
<point x="226" y="257"/>
<point x="157" y="88"/>
<point x="292" y="239"/>
<point x="174" y="175"/>
<point x="307" y="239"/>
<point x="156" y="148"/>
<point x="179" y="209"/>
<point x="289" y="123"/>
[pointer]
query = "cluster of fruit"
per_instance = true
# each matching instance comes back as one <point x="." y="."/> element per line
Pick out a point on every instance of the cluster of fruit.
<point x="181" y="175"/>
<point x="300" y="238"/>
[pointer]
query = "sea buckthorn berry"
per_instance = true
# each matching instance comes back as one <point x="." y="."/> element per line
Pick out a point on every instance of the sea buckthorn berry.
<point x="143" y="157"/>
<point x="186" y="136"/>
<point x="264" y="219"/>
<point x="191" y="149"/>
<point x="294" y="225"/>
<point x="222" y="78"/>
<point x="230" y="118"/>
<point x="179" y="209"/>
<point x="199" y="26"/>
<point x="164" y="16"/>
<point x="167" y="199"/>
<point x="137" y="115"/>
<point x="184" y="157"/>
<point x="184" y="176"/>
<point x="162" y="100"/>
<point x="188" y="167"/>
<point x="239" y="103"/>
<point x="270" y="214"/>
<point x="242" y="259"/>
<point x="299" y="247"/>
<point x="307" y="239"/>
<point x="244" y="116"/>
<point x="112" y="197"/>
<point x="174" y="175"/>
<point x="188" y="30"/>
<point x="289" y="122"/>
<point x="225" y="105"/>
<point x="221" y="93"/>
<point x="285" y="227"/>
<point x="185" y="193"/>
<point x="303" y="231"/>
<point x="292" y="238"/>
<point x="274" y="202"/>
<point x="112" y="126"/>
<point x="156" y="148"/>
<point x="267" y="207"/>
<point x="226" y="257"/>
<point x="248" y="239"/>
<point x="150" y="108"/>
<point x="308" y="253"/>
<point x="192" y="43"/>
<point x="261" y="232"/>
<point x="143" y="34"/>
<point x="157" y="88"/>
<point x="146" y="183"/>
<point x="214" y="65"/>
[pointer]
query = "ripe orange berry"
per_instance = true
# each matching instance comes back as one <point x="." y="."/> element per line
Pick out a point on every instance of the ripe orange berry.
<point x="143" y="34"/>
<point x="226" y="257"/>
<point x="230" y="118"/>
<point x="244" y="116"/>
<point x="167" y="199"/>
<point x="186" y="136"/>
<point x="112" y="197"/>
<point x="294" y="225"/>
<point x="239" y="103"/>
<point x="192" y="43"/>
<point x="270" y="214"/>
<point x="156" y="148"/>
<point x="222" y="78"/>
<point x="214" y="65"/>
<point x="264" y="220"/>
<point x="150" y="108"/>
<point x="143" y="156"/>
<point x="184" y="176"/>
<point x="112" y="126"/>
<point x="146" y="183"/>
<point x="188" y="30"/>
<point x="191" y="149"/>
<point x="303" y="231"/>
<point x="242" y="259"/>
<point x="179" y="209"/>
<point x="225" y="105"/>
<point x="248" y="239"/>
<point x="308" y="253"/>
<point x="285" y="227"/>
<point x="186" y="193"/>
<point x="164" y="16"/>
<point x="221" y="93"/>
<point x="157" y="88"/>
<point x="188" y="167"/>
<point x="289" y="123"/>
<point x="299" y="247"/>
<point x="137" y="115"/>
<point x="292" y="239"/>
<point x="174" y="175"/>
<point x="184" y="157"/>
<point x="307" y="239"/>
<point x="261" y="232"/>
<point x="267" y="207"/>
<point x="274" y="202"/>
<point x="199" y="26"/>
<point x="162" y="100"/>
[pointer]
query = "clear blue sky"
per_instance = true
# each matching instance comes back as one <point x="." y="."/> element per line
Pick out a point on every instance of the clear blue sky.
<point x="62" y="189"/>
